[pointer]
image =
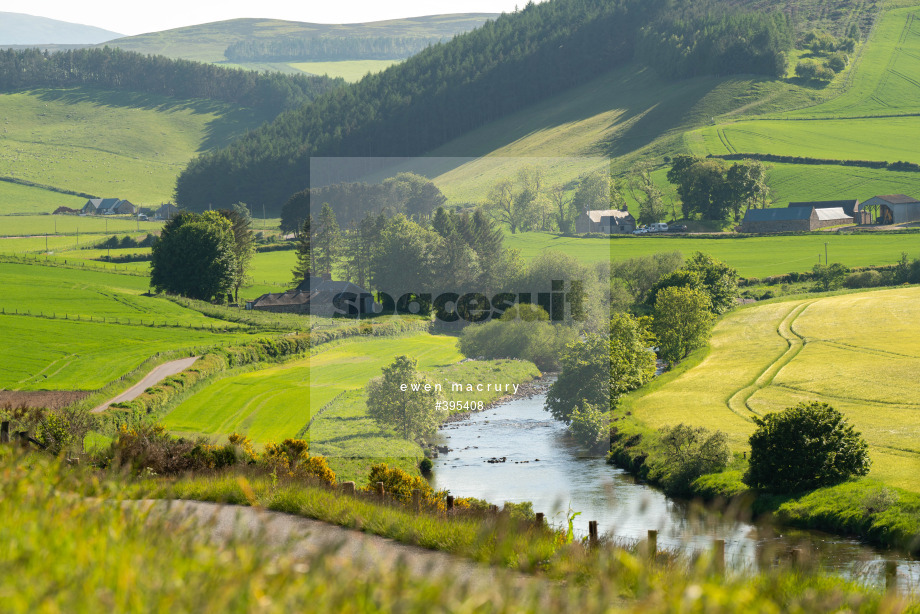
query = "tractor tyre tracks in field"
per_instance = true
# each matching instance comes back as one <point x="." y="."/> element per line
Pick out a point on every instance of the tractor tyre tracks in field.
<point x="738" y="403"/>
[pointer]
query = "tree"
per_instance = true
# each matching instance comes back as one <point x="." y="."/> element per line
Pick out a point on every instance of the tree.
<point x="602" y="368"/>
<point x="804" y="447"/>
<point x="719" y="280"/>
<point x="304" y="267"/>
<point x="747" y="186"/>
<point x="563" y="211"/>
<point x="590" y="425"/>
<point x="701" y="185"/>
<point x="682" y="322"/>
<point x="644" y="191"/>
<point x="593" y="193"/>
<point x="194" y="257"/>
<point x="326" y="241"/>
<point x="687" y="453"/>
<point x="416" y="195"/>
<point x="829" y="277"/>
<point x="243" y="243"/>
<point x="403" y="399"/>
<point x="517" y="204"/>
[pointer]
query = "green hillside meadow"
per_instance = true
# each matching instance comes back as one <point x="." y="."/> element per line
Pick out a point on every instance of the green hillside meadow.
<point x="103" y="143"/>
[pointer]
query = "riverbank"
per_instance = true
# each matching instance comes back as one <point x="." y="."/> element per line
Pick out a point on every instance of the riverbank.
<point x="865" y="508"/>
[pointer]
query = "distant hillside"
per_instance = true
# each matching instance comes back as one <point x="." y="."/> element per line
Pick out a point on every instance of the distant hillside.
<point x="509" y="63"/>
<point x="209" y="42"/>
<point x="22" y="29"/>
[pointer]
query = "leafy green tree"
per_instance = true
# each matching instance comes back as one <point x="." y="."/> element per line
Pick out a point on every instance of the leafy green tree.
<point x="194" y="256"/>
<point x="590" y="425"/>
<point x="644" y="191"/>
<point x="804" y="447"/>
<point x="243" y="243"/>
<point x="701" y="185"/>
<point x="682" y="322"/>
<point x="403" y="399"/>
<point x="327" y="241"/>
<point x="719" y="280"/>
<point x="416" y="195"/>
<point x="593" y="192"/>
<point x="747" y="187"/>
<point x="829" y="277"/>
<point x="687" y="453"/>
<point x="564" y="213"/>
<point x="602" y="368"/>
<point x="304" y="267"/>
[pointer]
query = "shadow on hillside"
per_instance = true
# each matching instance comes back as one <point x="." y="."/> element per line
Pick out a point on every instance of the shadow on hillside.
<point x="231" y="122"/>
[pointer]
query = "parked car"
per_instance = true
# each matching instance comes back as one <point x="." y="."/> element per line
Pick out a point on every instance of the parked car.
<point x="142" y="217"/>
<point x="678" y="228"/>
<point x="640" y="231"/>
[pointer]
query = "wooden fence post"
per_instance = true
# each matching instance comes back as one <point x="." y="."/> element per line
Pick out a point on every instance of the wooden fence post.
<point x="539" y="519"/>
<point x="592" y="532"/>
<point x="652" y="544"/>
<point x="348" y="488"/>
<point x="380" y="489"/>
<point x="450" y="503"/>
<point x="891" y="575"/>
<point x="5" y="431"/>
<point x="718" y="555"/>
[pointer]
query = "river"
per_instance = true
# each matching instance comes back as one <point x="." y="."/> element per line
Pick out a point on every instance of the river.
<point x="544" y="467"/>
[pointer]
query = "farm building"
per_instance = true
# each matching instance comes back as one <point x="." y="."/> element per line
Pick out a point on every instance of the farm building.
<point x="606" y="221"/>
<point x="850" y="207"/>
<point x="793" y="219"/>
<point x="314" y="296"/>
<point x="890" y="209"/>
<point x="166" y="212"/>
<point x="108" y="206"/>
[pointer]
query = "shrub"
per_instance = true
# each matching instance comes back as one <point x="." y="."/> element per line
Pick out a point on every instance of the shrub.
<point x="863" y="279"/>
<point x="805" y="447"/>
<point x="688" y="453"/>
<point x="292" y="456"/>
<point x="148" y="447"/>
<point x="589" y="425"/>
<point x="425" y="465"/>
<point x="399" y="485"/>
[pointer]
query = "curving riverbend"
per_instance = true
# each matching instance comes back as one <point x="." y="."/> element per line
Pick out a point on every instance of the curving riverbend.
<point x="543" y="467"/>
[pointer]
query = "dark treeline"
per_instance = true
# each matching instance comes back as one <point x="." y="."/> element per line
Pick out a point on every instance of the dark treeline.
<point x="699" y="40"/>
<point x="406" y="193"/>
<point x="436" y="95"/>
<point x="126" y="70"/>
<point x="328" y="48"/>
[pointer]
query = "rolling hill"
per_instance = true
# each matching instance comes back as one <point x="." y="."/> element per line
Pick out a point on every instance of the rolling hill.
<point x="208" y="42"/>
<point x="22" y="29"/>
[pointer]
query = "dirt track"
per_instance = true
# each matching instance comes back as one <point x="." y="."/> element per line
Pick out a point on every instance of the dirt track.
<point x="154" y="377"/>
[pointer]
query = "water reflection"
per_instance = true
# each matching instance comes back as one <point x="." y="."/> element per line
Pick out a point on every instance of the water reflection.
<point x="543" y="467"/>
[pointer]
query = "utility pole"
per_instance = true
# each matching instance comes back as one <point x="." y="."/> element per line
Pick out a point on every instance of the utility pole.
<point x="263" y="216"/>
<point x="825" y="253"/>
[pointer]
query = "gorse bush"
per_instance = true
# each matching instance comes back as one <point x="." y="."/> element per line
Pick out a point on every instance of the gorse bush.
<point x="399" y="485"/>
<point x="805" y="447"/>
<point x="292" y="456"/>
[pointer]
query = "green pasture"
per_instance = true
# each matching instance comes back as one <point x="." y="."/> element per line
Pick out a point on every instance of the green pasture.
<point x="885" y="77"/>
<point x="269" y="268"/>
<point x="890" y="139"/>
<point x="57" y="354"/>
<point x="109" y="144"/>
<point x="276" y="403"/>
<point x="752" y="256"/>
<point x="350" y="70"/>
<point x="59" y="291"/>
<point x="858" y="352"/>
<point x="23" y="225"/>
<point x="16" y="198"/>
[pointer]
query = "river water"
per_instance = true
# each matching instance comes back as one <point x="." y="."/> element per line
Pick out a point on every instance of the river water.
<point x="544" y="467"/>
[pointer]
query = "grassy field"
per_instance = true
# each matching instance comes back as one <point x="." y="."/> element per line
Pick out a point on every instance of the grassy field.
<point x="873" y="118"/>
<point x="275" y="403"/>
<point x="29" y="199"/>
<point x="22" y="225"/>
<point x="752" y="256"/>
<point x="350" y="70"/>
<point x="109" y="144"/>
<point x="51" y="349"/>
<point x="857" y="352"/>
